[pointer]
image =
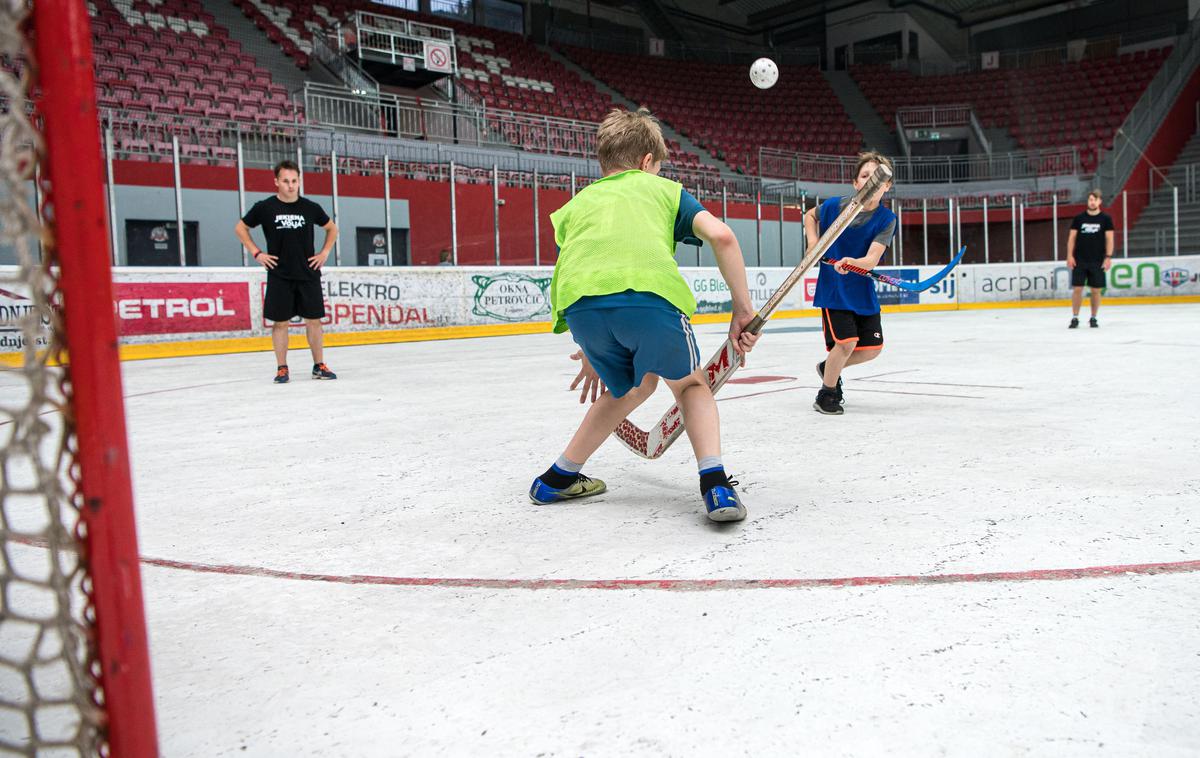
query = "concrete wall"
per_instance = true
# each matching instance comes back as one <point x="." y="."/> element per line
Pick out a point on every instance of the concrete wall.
<point x="868" y="20"/>
<point x="216" y="212"/>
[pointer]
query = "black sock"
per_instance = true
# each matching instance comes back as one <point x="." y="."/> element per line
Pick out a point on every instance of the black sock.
<point x="558" y="479"/>
<point x="713" y="478"/>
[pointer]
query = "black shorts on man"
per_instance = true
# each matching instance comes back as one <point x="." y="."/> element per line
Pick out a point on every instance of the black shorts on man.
<point x="1089" y="273"/>
<point x="288" y="298"/>
<point x="843" y="326"/>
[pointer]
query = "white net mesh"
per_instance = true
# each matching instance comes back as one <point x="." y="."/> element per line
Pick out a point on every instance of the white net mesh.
<point x="50" y="700"/>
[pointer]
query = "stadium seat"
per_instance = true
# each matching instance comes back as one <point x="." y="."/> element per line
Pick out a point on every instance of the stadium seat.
<point x="1045" y="106"/>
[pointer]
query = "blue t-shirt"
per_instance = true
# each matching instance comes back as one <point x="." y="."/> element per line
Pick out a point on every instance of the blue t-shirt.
<point x="851" y="292"/>
<point x="689" y="206"/>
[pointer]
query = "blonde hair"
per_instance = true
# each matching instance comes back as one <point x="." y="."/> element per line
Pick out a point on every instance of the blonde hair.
<point x="625" y="137"/>
<point x="868" y="156"/>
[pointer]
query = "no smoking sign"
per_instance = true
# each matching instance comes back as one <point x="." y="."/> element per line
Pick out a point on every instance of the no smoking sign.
<point x="437" y="57"/>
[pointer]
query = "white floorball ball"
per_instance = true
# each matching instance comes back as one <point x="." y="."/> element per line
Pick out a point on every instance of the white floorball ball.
<point x="764" y="73"/>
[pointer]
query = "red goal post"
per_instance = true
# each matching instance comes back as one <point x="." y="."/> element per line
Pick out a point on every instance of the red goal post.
<point x="74" y="662"/>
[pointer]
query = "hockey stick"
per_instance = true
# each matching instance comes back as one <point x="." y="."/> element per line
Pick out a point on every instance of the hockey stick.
<point x="920" y="286"/>
<point x="653" y="443"/>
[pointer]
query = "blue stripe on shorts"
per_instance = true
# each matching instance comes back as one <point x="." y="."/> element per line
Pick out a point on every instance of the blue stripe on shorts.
<point x="624" y="344"/>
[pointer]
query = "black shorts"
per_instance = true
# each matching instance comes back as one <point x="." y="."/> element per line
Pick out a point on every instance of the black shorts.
<point x="288" y="298"/>
<point x="844" y="326"/>
<point x="1091" y="274"/>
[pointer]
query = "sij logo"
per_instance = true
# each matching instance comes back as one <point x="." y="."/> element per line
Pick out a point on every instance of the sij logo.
<point x="511" y="297"/>
<point x="1176" y="277"/>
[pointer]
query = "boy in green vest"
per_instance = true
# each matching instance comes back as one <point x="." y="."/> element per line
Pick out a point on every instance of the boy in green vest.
<point x="618" y="289"/>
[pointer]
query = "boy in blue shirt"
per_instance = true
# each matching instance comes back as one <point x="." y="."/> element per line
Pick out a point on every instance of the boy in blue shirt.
<point x="849" y="306"/>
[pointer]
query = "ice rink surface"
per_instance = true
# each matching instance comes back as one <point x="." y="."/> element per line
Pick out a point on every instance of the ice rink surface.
<point x="286" y="525"/>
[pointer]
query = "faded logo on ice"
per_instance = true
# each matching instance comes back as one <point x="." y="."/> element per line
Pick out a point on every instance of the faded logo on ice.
<point x="511" y="297"/>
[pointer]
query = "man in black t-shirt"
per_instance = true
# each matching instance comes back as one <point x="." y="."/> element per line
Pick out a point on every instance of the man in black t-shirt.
<point x="293" y="271"/>
<point x="1089" y="256"/>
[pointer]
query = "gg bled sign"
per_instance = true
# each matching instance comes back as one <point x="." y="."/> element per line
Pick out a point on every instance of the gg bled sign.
<point x="181" y="307"/>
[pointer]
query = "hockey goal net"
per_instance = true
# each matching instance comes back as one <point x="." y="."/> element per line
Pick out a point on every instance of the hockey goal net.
<point x="74" y="667"/>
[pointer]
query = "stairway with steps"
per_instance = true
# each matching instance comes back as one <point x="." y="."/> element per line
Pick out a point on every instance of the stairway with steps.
<point x="268" y="55"/>
<point x="705" y="158"/>
<point x="1002" y="141"/>
<point x="1154" y="232"/>
<point x="876" y="134"/>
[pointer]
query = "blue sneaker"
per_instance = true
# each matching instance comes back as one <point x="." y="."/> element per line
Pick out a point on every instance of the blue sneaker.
<point x="723" y="504"/>
<point x="543" y="494"/>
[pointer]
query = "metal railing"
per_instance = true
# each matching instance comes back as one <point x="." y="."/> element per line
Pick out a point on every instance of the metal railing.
<point x="341" y="108"/>
<point x="1188" y="175"/>
<point x="933" y="116"/>
<point x="328" y="47"/>
<point x="1172" y="228"/>
<point x="977" y="130"/>
<point x="403" y="26"/>
<point x="1062" y="161"/>
<point x="930" y="228"/>
<point x="397" y="39"/>
<point x="429" y="119"/>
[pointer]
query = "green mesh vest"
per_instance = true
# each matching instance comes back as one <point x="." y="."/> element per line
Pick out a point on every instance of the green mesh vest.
<point x="618" y="234"/>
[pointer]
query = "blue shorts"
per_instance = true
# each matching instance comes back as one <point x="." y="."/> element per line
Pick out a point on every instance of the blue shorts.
<point x="626" y="343"/>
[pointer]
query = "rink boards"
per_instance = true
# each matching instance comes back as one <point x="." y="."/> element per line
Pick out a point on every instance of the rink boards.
<point x="167" y="311"/>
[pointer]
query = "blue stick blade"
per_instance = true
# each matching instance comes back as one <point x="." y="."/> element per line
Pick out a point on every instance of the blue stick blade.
<point x="927" y="283"/>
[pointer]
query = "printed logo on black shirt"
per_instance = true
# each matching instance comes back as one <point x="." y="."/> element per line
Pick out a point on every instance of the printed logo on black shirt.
<point x="289" y="221"/>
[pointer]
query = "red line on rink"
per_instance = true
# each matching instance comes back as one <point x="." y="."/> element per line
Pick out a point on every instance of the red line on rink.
<point x="672" y="585"/>
<point x="687" y="585"/>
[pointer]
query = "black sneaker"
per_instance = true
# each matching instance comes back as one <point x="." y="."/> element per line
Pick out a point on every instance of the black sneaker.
<point x="1074" y="324"/>
<point x="821" y="373"/>
<point x="1092" y="322"/>
<point x="282" y="375"/>
<point x="321" y="371"/>
<point x="827" y="402"/>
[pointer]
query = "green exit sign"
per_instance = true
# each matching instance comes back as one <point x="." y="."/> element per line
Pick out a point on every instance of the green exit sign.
<point x="928" y="134"/>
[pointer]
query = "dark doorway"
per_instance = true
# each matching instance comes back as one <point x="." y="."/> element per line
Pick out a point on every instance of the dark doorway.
<point x="156" y="242"/>
<point x="372" y="246"/>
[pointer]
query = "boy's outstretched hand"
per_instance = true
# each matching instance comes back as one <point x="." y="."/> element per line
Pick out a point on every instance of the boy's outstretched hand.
<point x="591" y="380"/>
<point x="743" y="341"/>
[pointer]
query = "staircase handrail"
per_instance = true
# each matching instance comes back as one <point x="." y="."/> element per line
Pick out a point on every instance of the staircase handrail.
<point x="342" y="66"/>
<point x="902" y="137"/>
<point x="977" y="129"/>
<point x="1024" y="164"/>
<point x="1138" y="128"/>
